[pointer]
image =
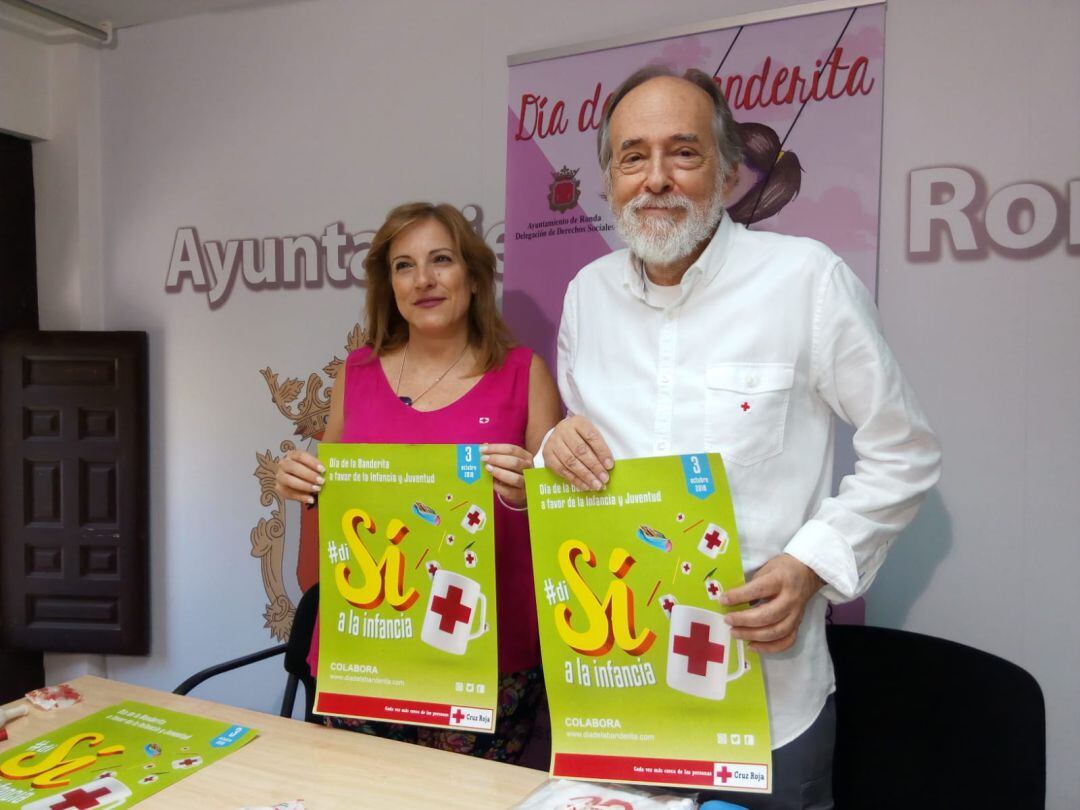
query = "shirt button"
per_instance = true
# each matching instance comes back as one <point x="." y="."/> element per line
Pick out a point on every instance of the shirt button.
<point x="752" y="380"/>
<point x="662" y="445"/>
<point x="665" y="379"/>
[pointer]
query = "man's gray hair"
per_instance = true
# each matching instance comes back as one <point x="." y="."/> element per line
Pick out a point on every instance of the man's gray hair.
<point x="725" y="130"/>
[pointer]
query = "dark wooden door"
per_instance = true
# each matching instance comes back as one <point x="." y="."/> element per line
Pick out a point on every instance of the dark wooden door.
<point x="74" y="492"/>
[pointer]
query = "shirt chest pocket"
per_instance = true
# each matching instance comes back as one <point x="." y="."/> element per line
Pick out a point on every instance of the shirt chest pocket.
<point x="746" y="409"/>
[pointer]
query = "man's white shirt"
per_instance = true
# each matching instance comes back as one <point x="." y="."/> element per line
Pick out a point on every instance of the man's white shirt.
<point x="750" y="356"/>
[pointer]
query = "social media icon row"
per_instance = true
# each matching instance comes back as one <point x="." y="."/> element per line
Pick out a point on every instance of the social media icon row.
<point x="723" y="738"/>
<point x="478" y="688"/>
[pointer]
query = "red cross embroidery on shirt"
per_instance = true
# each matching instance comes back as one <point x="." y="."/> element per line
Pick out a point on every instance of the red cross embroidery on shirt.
<point x="188" y="762"/>
<point x="432" y="568"/>
<point x="697" y="648"/>
<point x="668" y="605"/>
<point x="473" y="517"/>
<point x="712" y="539"/>
<point x="451" y="609"/>
<point x="713" y="588"/>
<point x="724" y="774"/>
<point x="745" y="406"/>
<point x="458" y="716"/>
<point x="80" y="799"/>
<point x="469" y="558"/>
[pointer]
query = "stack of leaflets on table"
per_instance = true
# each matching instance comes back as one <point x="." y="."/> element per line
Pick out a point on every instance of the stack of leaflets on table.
<point x="117" y="756"/>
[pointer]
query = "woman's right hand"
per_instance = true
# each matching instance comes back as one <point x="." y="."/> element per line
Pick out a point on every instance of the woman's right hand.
<point x="299" y="476"/>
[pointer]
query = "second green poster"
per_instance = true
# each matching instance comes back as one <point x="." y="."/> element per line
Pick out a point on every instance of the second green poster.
<point x="644" y="680"/>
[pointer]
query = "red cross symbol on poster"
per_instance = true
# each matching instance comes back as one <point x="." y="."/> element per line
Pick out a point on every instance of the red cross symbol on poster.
<point x="713" y="541"/>
<point x="102" y="792"/>
<point x="80" y="799"/>
<point x="451" y="609"/>
<point x="475" y="519"/>
<point x="697" y="648"/>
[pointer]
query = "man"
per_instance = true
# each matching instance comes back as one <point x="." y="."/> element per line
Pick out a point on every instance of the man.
<point x="707" y="336"/>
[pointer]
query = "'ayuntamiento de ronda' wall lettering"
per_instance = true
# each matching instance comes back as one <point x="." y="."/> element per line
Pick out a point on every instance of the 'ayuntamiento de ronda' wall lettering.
<point x="1021" y="220"/>
<point x="286" y="262"/>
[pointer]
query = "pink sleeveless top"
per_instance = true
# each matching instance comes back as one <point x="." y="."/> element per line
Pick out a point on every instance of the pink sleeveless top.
<point x="495" y="410"/>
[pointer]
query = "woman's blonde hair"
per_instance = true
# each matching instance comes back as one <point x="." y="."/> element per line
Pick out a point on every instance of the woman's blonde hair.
<point x="387" y="329"/>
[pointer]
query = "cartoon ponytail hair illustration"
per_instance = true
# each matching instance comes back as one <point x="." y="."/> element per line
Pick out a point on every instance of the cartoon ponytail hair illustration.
<point x="779" y="175"/>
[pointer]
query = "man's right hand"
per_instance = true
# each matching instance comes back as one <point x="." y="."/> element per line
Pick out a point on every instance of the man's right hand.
<point x="576" y="451"/>
<point x="299" y="476"/>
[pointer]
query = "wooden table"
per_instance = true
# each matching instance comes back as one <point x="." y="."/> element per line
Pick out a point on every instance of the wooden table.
<point x="290" y="759"/>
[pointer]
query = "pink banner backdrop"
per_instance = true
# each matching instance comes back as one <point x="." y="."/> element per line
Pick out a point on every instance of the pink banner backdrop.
<point x="807" y="93"/>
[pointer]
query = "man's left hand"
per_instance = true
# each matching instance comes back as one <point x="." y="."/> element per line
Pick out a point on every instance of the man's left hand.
<point x="781" y="588"/>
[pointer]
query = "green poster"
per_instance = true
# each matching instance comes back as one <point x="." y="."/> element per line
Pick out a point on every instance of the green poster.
<point x="644" y="680"/>
<point x="407" y="629"/>
<point x="118" y="756"/>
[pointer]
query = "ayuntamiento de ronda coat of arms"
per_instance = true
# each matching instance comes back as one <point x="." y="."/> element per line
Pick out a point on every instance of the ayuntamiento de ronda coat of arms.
<point x="565" y="189"/>
<point x="307" y="406"/>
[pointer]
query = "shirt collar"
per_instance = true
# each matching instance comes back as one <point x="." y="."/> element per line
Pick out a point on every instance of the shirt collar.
<point x="705" y="269"/>
<point x="712" y="258"/>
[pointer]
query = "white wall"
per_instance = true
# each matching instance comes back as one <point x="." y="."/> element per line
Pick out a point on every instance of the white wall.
<point x="67" y="192"/>
<point x="281" y="120"/>
<point x="24" y="84"/>
<point x="991" y="346"/>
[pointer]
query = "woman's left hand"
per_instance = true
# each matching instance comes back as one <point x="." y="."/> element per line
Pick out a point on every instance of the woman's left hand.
<point x="507" y="464"/>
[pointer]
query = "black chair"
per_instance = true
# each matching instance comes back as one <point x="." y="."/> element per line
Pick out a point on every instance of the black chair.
<point x="296" y="653"/>
<point x="925" y="722"/>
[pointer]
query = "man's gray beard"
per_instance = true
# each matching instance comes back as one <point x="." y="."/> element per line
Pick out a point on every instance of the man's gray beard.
<point x="665" y="241"/>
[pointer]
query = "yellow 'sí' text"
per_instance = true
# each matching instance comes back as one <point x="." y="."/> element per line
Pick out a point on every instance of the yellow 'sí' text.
<point x="380" y="580"/>
<point x="609" y="622"/>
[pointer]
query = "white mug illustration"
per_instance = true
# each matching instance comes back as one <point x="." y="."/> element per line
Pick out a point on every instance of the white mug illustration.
<point x="699" y="653"/>
<point x="100" y="794"/>
<point x="451" y="609"/>
<point x="714" y="541"/>
<point x="475" y="519"/>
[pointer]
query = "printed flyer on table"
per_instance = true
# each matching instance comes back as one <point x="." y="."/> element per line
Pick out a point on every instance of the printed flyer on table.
<point x="644" y="681"/>
<point x="407" y="629"/>
<point x="117" y="756"/>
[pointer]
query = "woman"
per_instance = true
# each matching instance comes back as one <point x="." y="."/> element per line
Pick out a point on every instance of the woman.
<point x="439" y="367"/>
